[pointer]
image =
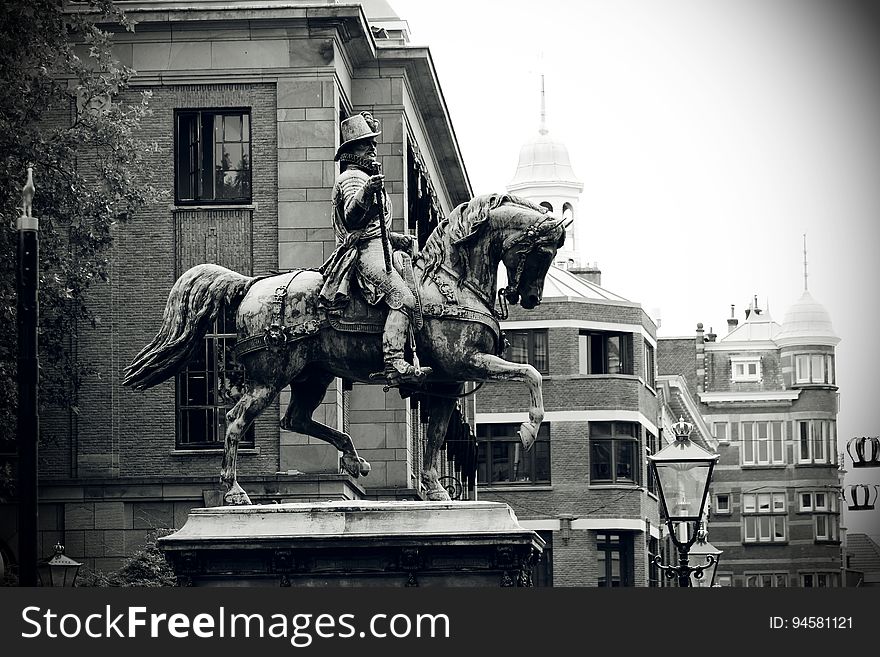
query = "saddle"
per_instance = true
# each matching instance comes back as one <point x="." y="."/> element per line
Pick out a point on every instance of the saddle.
<point x="358" y="316"/>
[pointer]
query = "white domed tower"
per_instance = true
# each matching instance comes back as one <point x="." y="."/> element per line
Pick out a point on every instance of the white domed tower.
<point x="544" y="176"/>
<point x="806" y="342"/>
<point x="808" y="339"/>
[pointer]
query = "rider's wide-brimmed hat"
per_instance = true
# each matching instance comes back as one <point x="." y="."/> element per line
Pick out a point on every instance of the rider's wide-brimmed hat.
<point x="357" y="127"/>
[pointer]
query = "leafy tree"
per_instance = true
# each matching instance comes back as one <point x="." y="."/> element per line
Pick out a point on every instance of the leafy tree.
<point x="65" y="110"/>
<point x="145" y="568"/>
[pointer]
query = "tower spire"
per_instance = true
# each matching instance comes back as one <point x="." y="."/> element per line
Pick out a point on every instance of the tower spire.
<point x="805" y="262"/>
<point x="543" y="128"/>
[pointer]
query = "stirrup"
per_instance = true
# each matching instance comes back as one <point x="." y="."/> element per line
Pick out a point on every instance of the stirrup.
<point x="411" y="375"/>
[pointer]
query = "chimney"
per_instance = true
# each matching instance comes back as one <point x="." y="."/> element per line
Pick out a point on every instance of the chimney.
<point x="732" y="321"/>
<point x="710" y="337"/>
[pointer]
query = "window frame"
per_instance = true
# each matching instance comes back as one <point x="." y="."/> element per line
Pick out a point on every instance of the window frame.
<point x="827" y="441"/>
<point x="650" y="367"/>
<point x="775" y="578"/>
<point x="615" y="442"/>
<point x="832" y="579"/>
<point x="755" y="442"/>
<point x="763" y="514"/>
<point x="590" y="353"/>
<point x="806" y="365"/>
<point x="746" y="377"/>
<point x="215" y="340"/>
<point x="198" y="197"/>
<point x="719" y="510"/>
<point x="504" y="433"/>
<point x="531" y="347"/>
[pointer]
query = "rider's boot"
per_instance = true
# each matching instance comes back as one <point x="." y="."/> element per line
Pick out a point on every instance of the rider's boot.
<point x="397" y="369"/>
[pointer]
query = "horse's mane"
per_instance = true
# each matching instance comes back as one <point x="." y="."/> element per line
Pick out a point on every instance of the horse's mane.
<point x="463" y="223"/>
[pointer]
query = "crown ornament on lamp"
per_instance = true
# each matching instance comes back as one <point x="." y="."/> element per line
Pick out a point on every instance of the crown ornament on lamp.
<point x="861" y="497"/>
<point x="867" y="451"/>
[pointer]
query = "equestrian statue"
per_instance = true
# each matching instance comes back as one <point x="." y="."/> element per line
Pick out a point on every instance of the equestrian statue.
<point x="373" y="303"/>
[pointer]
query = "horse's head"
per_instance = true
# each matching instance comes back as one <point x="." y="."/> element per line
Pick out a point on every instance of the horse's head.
<point x="498" y="227"/>
<point x="528" y="253"/>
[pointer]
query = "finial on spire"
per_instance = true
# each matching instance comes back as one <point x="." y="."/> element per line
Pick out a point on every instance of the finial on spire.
<point x="805" y="262"/>
<point x="543" y="128"/>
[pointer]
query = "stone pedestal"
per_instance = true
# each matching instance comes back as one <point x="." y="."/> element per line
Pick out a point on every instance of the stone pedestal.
<point x="354" y="543"/>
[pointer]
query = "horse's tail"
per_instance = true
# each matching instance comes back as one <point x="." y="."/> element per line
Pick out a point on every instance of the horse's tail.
<point x="192" y="306"/>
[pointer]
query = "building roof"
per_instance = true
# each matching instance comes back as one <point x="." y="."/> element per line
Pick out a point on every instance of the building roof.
<point x="562" y="283"/>
<point x="807" y="322"/>
<point x="864" y="556"/>
<point x="757" y="327"/>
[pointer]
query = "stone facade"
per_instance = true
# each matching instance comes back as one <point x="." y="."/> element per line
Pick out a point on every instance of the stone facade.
<point x="116" y="469"/>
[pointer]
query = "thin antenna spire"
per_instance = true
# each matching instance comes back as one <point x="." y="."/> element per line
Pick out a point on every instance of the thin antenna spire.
<point x="805" y="262"/>
<point x="543" y="128"/>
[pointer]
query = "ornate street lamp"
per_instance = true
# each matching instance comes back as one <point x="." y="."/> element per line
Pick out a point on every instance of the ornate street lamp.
<point x="700" y="552"/>
<point x="60" y="570"/>
<point x="683" y="471"/>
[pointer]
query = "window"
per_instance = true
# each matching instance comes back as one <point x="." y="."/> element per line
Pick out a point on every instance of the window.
<point x="542" y="571"/>
<point x="654" y="575"/>
<point x="614" y="453"/>
<point x="745" y="369"/>
<point x="765" y="580"/>
<point x="720" y="431"/>
<point x="649" y="365"/>
<point x="605" y="353"/>
<point x="722" y="503"/>
<point x="823" y="506"/>
<point x="502" y="459"/>
<point x="651" y="448"/>
<point x="762" y="443"/>
<point x="614" y="560"/>
<point x="201" y="407"/>
<point x="723" y="580"/>
<point x="764" y="518"/>
<point x="814" y="368"/>
<point x="817" y="442"/>
<point x="529" y="347"/>
<point x="213" y="162"/>
<point x="820" y="580"/>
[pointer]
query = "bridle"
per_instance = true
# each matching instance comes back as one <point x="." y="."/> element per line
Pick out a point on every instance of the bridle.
<point x="537" y="235"/>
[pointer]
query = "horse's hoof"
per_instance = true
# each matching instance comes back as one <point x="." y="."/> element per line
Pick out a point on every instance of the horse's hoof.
<point x="355" y="466"/>
<point x="236" y="496"/>
<point x="438" y="495"/>
<point x="527" y="435"/>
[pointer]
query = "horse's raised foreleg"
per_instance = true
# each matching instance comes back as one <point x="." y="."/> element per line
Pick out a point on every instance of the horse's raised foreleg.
<point x="493" y="368"/>
<point x="253" y="402"/>
<point x="305" y="397"/>
<point x="438" y="423"/>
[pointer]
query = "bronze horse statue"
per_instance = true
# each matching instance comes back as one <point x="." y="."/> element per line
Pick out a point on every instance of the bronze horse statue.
<point x="286" y="338"/>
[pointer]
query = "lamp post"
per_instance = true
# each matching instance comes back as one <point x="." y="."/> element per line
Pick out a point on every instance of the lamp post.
<point x="60" y="570"/>
<point x="27" y="313"/>
<point x="683" y="471"/>
<point x="701" y="551"/>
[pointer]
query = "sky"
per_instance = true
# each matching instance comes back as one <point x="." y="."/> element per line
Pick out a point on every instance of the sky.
<point x="711" y="136"/>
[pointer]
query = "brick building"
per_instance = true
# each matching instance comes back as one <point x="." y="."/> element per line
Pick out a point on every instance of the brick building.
<point x="584" y="485"/>
<point x="246" y="104"/>
<point x="769" y="394"/>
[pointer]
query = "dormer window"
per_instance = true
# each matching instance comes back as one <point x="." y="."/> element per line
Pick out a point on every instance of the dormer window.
<point x="745" y="369"/>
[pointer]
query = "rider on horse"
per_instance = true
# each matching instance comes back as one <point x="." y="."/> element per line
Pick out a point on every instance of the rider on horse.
<point x="363" y="245"/>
